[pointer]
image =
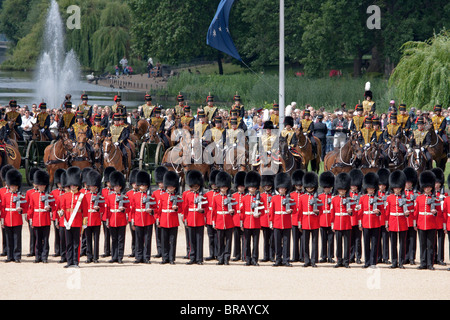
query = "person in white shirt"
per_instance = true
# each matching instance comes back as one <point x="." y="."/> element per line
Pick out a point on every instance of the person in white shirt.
<point x="27" y="123"/>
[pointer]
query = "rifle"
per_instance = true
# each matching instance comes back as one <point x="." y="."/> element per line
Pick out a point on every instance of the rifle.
<point x="315" y="202"/>
<point x="175" y="199"/>
<point x="374" y="201"/>
<point x="199" y="201"/>
<point x="97" y="199"/>
<point x="148" y="201"/>
<point x="18" y="199"/>
<point x="287" y="202"/>
<point x="230" y="202"/>
<point x="348" y="202"/>
<point x="256" y="205"/>
<point x="403" y="202"/>
<point x="47" y="198"/>
<point x="432" y="202"/>
<point x="121" y="200"/>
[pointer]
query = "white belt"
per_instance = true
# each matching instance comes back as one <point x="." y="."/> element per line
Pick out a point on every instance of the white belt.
<point x="249" y="213"/>
<point x="281" y="212"/>
<point x="223" y="212"/>
<point x="326" y="211"/>
<point x="309" y="213"/>
<point x="115" y="210"/>
<point x="426" y="214"/>
<point x="369" y="212"/>
<point x="40" y="210"/>
<point x="397" y="214"/>
<point x="93" y="210"/>
<point x="340" y="214"/>
<point x="11" y="209"/>
<point x="140" y="210"/>
<point x="193" y="209"/>
<point x="168" y="210"/>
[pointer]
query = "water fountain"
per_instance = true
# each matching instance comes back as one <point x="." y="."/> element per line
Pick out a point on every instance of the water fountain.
<point x="58" y="71"/>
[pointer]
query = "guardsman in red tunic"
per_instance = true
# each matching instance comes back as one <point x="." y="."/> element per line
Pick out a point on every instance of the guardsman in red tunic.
<point x="426" y="210"/>
<point x="281" y="209"/>
<point x="222" y="217"/>
<point x="212" y="233"/>
<point x="397" y="210"/>
<point x="238" y="243"/>
<point x="195" y="206"/>
<point x="169" y="207"/>
<point x="383" y="192"/>
<point x="411" y="194"/>
<point x="340" y="218"/>
<point x="27" y="198"/>
<point x="4" y="188"/>
<point x="39" y="212"/>
<point x="439" y="242"/>
<point x="13" y="206"/>
<point x="96" y="208"/>
<point x="250" y="216"/>
<point x="298" y="250"/>
<point x="326" y="181"/>
<point x="371" y="208"/>
<point x="117" y="210"/>
<point x="106" y="191"/>
<point x="308" y="217"/>
<point x="267" y="184"/>
<point x="60" y="234"/>
<point x="356" y="177"/>
<point x="159" y="175"/>
<point x="142" y="217"/>
<point x="134" y="189"/>
<point x="446" y="213"/>
<point x="73" y="207"/>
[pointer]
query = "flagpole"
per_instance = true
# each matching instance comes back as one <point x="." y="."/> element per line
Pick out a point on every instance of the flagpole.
<point x="281" y="101"/>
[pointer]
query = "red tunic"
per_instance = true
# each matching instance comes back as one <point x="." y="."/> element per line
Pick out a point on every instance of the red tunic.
<point x="57" y="194"/>
<point x="139" y="214"/>
<point x="191" y="214"/>
<point x="367" y="216"/>
<point x="117" y="218"/>
<point x="446" y="212"/>
<point x="422" y="210"/>
<point x="36" y="211"/>
<point x="221" y="218"/>
<point x="278" y="216"/>
<point x="340" y="219"/>
<point x="395" y="214"/>
<point x="266" y="199"/>
<point x="209" y="197"/>
<point x="440" y="218"/>
<point x="354" y="217"/>
<point x="309" y="220"/>
<point x="383" y="218"/>
<point x="68" y="202"/>
<point x="325" y="209"/>
<point x="168" y="217"/>
<point x="105" y="193"/>
<point x="411" y="219"/>
<point x="248" y="217"/>
<point x="9" y="213"/>
<point x="94" y="216"/>
<point x="295" y="215"/>
<point x="238" y="197"/>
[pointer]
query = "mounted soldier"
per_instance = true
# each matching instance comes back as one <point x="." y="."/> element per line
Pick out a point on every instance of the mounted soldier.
<point x="147" y="108"/>
<point x="97" y="129"/>
<point x="15" y="117"/>
<point x="4" y="137"/>
<point x="120" y="135"/>
<point x="422" y="139"/>
<point x="274" y="117"/>
<point x="80" y="127"/>
<point x="68" y="117"/>
<point x="210" y="110"/>
<point x="368" y="104"/>
<point x="179" y="109"/>
<point x="85" y="109"/>
<point x="234" y="113"/>
<point x="238" y="106"/>
<point x="366" y="136"/>
<point x="43" y="121"/>
<point x="307" y="129"/>
<point x="200" y="127"/>
<point x="118" y="107"/>
<point x="404" y="120"/>
<point x="187" y="120"/>
<point x="439" y="125"/>
<point x="358" y="120"/>
<point x="158" y="123"/>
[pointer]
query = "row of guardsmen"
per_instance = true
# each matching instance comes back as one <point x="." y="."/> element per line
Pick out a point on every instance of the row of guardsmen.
<point x="379" y="208"/>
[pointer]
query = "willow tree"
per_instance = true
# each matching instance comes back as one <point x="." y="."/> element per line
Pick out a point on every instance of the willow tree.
<point x="421" y="79"/>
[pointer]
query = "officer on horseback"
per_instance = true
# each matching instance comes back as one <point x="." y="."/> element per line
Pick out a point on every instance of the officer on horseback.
<point x="118" y="107"/>
<point x="159" y="123"/>
<point x="392" y="130"/>
<point x="147" y="108"/>
<point x="238" y="106"/>
<point x="43" y="120"/>
<point x="274" y="117"/>
<point x="422" y="139"/>
<point x="68" y="118"/>
<point x="210" y="110"/>
<point x="201" y="127"/>
<point x="97" y="129"/>
<point x="366" y="136"/>
<point x="4" y="136"/>
<point x="15" y="117"/>
<point x="404" y="120"/>
<point x="85" y="109"/>
<point x="234" y="113"/>
<point x="119" y="135"/>
<point x="187" y="120"/>
<point x="439" y="125"/>
<point x="179" y="109"/>
<point x="307" y="128"/>
<point x="81" y="127"/>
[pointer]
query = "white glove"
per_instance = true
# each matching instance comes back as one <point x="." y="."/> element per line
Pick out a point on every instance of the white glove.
<point x="422" y="149"/>
<point x="42" y="130"/>
<point x="116" y="144"/>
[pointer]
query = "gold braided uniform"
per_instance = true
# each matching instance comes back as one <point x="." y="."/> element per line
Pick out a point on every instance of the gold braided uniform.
<point x="157" y="123"/>
<point x="147" y="110"/>
<point x="209" y="112"/>
<point x="378" y="133"/>
<point x="186" y="120"/>
<point x="437" y="121"/>
<point x="358" y="121"/>
<point x="217" y="134"/>
<point x="419" y="136"/>
<point x="275" y="119"/>
<point x="42" y="116"/>
<point x="268" y="142"/>
<point x="233" y="135"/>
<point x="3" y="123"/>
<point x="116" y="131"/>
<point x="85" y="109"/>
<point x="67" y="119"/>
<point x="367" y="135"/>
<point x="79" y="128"/>
<point x="199" y="129"/>
<point x="12" y="115"/>
<point x="288" y="134"/>
<point x="367" y="106"/>
<point x="179" y="110"/>
<point x="97" y="130"/>
<point x="402" y="119"/>
<point x="305" y="125"/>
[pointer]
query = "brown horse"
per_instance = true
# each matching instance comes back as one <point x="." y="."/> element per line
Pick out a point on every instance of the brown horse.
<point x="37" y="135"/>
<point x="417" y="160"/>
<point x="344" y="159"/>
<point x="235" y="159"/>
<point x="112" y="156"/>
<point x="371" y="159"/>
<point x="80" y="155"/>
<point x="289" y="162"/>
<point x="306" y="151"/>
<point x="96" y="144"/>
<point x="395" y="156"/>
<point x="57" y="155"/>
<point x="437" y="148"/>
<point x="141" y="129"/>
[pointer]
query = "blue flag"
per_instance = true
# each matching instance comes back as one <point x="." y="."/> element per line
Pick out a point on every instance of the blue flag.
<point x="218" y="35"/>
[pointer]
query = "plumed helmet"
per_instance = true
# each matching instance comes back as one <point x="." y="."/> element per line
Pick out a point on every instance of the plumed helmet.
<point x="159" y="173"/>
<point x="13" y="178"/>
<point x="252" y="179"/>
<point x="239" y="179"/>
<point x="283" y="180"/>
<point x="397" y="179"/>
<point x="411" y="175"/>
<point x="326" y="179"/>
<point x="342" y="181"/>
<point x="297" y="177"/>
<point x="311" y="180"/>
<point x="370" y="180"/>
<point x="143" y="178"/>
<point x="223" y="179"/>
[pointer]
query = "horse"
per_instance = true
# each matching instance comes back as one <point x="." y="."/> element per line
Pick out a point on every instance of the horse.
<point x="96" y="143"/>
<point x="417" y="160"/>
<point x="344" y="159"/>
<point x="57" y="155"/>
<point x="37" y="135"/>
<point x="112" y="156"/>
<point x="80" y="156"/>
<point x="371" y="160"/>
<point x="394" y="154"/>
<point x="288" y="161"/>
<point x="141" y="129"/>
<point x="235" y="158"/>
<point x="306" y="151"/>
<point x="437" y="148"/>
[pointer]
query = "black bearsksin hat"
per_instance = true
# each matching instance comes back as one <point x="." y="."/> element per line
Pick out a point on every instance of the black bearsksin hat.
<point x="397" y="179"/>
<point x="427" y="179"/>
<point x="223" y="179"/>
<point x="159" y="174"/>
<point x="356" y="177"/>
<point x="252" y="179"/>
<point x="326" y="179"/>
<point x="132" y="178"/>
<point x="283" y="180"/>
<point x="93" y="178"/>
<point x="311" y="180"/>
<point x="143" y="178"/>
<point x="342" y="181"/>
<point x="57" y="176"/>
<point x="370" y="180"/>
<point x="171" y="179"/>
<point x="194" y="177"/>
<point x="267" y="178"/>
<point x="297" y="177"/>
<point x="212" y="177"/>
<point x="439" y="174"/>
<point x="107" y="172"/>
<point x="239" y="179"/>
<point x="32" y="171"/>
<point x="41" y="178"/>
<point x="383" y="177"/>
<point x="74" y="177"/>
<point x="84" y="173"/>
<point x="64" y="179"/>
<point x="13" y="178"/>
<point x="411" y="175"/>
<point x="4" y="170"/>
<point x="117" y="178"/>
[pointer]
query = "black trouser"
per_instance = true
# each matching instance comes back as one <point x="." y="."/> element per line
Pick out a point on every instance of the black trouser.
<point x="282" y="239"/>
<point x="371" y="237"/>
<point x="314" y="236"/>
<point x="158" y="240"/>
<point x="439" y="246"/>
<point x="72" y="245"/>
<point x="327" y="247"/>
<point x="343" y="237"/>
<point x="92" y="251"/>
<point x="323" y="142"/>
<point x="355" y="244"/>
<point x="398" y="257"/>
<point x="196" y="235"/>
<point x="269" y="247"/>
<point x="224" y="238"/>
<point x="143" y="242"/>
<point x="238" y="244"/>
<point x="57" y="240"/>
<point x="426" y="245"/>
<point x="42" y="246"/>
<point x="411" y="244"/>
<point x="4" y="242"/>
<point x="251" y="255"/>
<point x="298" y="248"/>
<point x="383" y="244"/>
<point x="117" y="242"/>
<point x="212" y="241"/>
<point x="169" y="243"/>
<point x="133" y="240"/>
<point x="14" y="242"/>
<point x="188" y="242"/>
<point x="107" y="244"/>
<point x="32" y="238"/>
<point x="62" y="242"/>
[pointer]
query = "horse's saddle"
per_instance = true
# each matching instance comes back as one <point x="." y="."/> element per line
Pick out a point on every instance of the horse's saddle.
<point x="9" y="151"/>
